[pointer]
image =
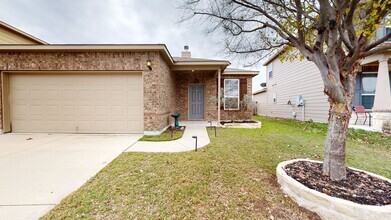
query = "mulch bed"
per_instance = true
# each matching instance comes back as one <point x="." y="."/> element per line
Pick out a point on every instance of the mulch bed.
<point x="358" y="187"/>
<point x="173" y="128"/>
<point x="238" y="122"/>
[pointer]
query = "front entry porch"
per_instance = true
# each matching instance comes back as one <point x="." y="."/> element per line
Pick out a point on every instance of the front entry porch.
<point x="373" y="91"/>
<point x="200" y="95"/>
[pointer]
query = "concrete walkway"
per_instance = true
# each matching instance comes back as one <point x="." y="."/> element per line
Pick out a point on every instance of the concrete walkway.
<point x="186" y="143"/>
<point x="365" y="127"/>
<point x="38" y="170"/>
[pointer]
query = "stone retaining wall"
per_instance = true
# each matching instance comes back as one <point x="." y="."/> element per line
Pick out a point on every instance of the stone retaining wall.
<point x="325" y="206"/>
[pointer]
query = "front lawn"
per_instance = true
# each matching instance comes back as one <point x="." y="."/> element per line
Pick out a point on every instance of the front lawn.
<point x="231" y="178"/>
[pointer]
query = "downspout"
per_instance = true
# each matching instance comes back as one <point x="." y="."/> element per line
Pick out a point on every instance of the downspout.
<point x="218" y="95"/>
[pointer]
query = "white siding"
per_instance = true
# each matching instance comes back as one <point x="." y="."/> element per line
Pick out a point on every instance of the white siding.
<point x="289" y="80"/>
<point x="260" y="100"/>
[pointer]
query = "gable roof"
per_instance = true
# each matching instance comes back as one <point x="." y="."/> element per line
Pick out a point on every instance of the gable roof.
<point x="21" y="33"/>
<point x="178" y="64"/>
<point x="260" y="91"/>
<point x="188" y="59"/>
<point x="91" y="47"/>
<point x="235" y="71"/>
<point x="275" y="56"/>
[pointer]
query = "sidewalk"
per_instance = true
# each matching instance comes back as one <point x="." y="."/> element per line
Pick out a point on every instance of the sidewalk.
<point x="365" y="127"/>
<point x="186" y="143"/>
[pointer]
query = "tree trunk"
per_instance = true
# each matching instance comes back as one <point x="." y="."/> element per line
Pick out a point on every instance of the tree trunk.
<point x="334" y="155"/>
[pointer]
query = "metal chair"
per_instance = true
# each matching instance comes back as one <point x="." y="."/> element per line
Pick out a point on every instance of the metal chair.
<point x="359" y="109"/>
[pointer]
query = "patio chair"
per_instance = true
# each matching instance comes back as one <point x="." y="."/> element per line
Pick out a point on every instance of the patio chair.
<point x="360" y="110"/>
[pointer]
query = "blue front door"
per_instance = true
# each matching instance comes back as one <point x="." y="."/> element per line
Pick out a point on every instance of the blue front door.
<point x="196" y="101"/>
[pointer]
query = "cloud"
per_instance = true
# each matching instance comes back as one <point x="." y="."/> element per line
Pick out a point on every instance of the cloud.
<point x="111" y="21"/>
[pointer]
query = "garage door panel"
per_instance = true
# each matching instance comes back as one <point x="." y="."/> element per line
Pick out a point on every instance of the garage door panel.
<point x="101" y="96"/>
<point x="117" y="125"/>
<point x="101" y="125"/>
<point x="36" y="95"/>
<point x="134" y="123"/>
<point x="132" y="109"/>
<point x="34" y="126"/>
<point x="118" y="96"/>
<point x="118" y="111"/>
<point x="54" y="125"/>
<point x="85" y="95"/>
<point x="36" y="110"/>
<point x="69" y="110"/>
<point x="85" y="111"/>
<point x="101" y="110"/>
<point x="20" y="110"/>
<point x="69" y="125"/>
<point x="77" y="102"/>
<point x="20" y="95"/>
<point x="134" y="96"/>
<point x="85" y="126"/>
<point x="68" y="95"/>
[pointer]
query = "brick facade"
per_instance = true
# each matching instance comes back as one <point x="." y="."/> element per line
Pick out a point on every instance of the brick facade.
<point x="159" y="83"/>
<point x="209" y="80"/>
<point x="165" y="92"/>
<point x="242" y="114"/>
<point x="159" y="96"/>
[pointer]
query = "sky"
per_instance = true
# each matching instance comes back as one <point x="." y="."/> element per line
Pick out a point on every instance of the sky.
<point x="117" y="21"/>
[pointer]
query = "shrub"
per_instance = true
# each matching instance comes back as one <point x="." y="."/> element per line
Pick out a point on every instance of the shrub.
<point x="246" y="102"/>
<point x="386" y="126"/>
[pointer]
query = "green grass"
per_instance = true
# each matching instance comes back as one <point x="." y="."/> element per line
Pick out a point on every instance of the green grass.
<point x="165" y="136"/>
<point x="231" y="178"/>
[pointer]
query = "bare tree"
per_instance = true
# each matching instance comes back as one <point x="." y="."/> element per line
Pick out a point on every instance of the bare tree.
<point x="334" y="34"/>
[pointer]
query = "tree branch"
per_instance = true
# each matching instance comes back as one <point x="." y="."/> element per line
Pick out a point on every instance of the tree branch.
<point x="377" y="50"/>
<point x="378" y="42"/>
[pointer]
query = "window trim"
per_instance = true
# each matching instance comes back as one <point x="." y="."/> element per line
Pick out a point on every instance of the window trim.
<point x="361" y="89"/>
<point x="238" y="97"/>
<point x="362" y="84"/>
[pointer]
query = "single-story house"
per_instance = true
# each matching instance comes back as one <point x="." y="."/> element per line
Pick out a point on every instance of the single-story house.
<point x="116" y="88"/>
<point x="295" y="89"/>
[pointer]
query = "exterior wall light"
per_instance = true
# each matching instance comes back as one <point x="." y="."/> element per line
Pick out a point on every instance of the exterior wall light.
<point x="149" y="64"/>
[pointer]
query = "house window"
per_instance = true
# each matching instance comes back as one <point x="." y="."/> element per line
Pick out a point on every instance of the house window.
<point x="388" y="31"/>
<point x="384" y="29"/>
<point x="231" y="94"/>
<point x="270" y="70"/>
<point x="368" y="88"/>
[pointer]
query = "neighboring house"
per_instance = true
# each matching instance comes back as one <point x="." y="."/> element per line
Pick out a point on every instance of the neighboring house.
<point x="12" y="35"/>
<point x="287" y="81"/>
<point x="114" y="88"/>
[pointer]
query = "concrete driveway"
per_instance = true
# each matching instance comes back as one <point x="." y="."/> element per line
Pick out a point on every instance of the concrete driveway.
<point x="38" y="170"/>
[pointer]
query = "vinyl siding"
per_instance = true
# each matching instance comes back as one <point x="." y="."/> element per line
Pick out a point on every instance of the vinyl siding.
<point x="10" y="37"/>
<point x="289" y="80"/>
<point x="260" y="100"/>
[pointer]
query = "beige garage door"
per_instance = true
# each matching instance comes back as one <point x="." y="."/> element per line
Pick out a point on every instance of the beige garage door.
<point x="76" y="102"/>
